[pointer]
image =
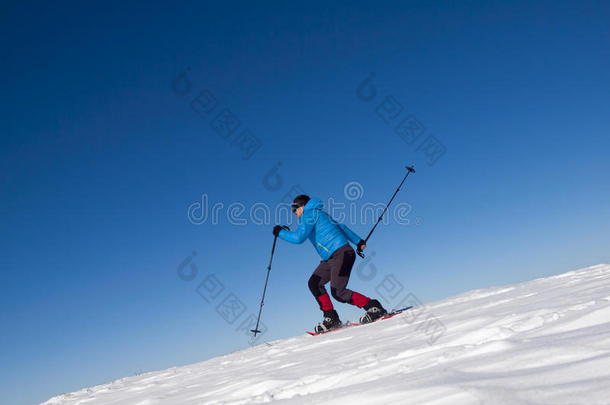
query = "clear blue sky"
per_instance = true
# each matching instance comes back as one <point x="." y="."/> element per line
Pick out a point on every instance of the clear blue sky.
<point x="100" y="160"/>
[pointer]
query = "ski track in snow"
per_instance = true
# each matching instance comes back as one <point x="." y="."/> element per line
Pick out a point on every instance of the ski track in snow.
<point x="546" y="341"/>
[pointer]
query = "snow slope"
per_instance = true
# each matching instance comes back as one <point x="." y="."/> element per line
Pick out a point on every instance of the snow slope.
<point x="545" y="341"/>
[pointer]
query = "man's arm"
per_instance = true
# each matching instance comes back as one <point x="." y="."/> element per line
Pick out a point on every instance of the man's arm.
<point x="351" y="235"/>
<point x="302" y="232"/>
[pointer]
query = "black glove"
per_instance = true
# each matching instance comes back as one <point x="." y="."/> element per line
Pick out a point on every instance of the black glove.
<point x="360" y="245"/>
<point x="278" y="228"/>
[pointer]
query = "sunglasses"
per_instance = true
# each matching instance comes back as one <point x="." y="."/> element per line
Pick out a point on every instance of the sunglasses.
<point x="295" y="207"/>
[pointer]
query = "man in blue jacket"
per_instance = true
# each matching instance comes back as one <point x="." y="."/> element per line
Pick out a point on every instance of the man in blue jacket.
<point x="331" y="241"/>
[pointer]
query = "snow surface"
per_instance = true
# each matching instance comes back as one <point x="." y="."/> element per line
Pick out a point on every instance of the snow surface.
<point x="545" y="341"/>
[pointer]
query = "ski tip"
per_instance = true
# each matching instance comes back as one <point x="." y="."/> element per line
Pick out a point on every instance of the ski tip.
<point x="396" y="311"/>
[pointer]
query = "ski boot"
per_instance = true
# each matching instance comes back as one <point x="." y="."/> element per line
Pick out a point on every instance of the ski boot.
<point x="374" y="311"/>
<point x="331" y="321"/>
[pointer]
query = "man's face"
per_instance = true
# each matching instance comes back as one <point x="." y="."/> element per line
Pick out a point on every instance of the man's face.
<point x="299" y="211"/>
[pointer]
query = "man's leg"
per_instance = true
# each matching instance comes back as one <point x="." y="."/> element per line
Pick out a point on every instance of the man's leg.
<point x="316" y="283"/>
<point x="340" y="269"/>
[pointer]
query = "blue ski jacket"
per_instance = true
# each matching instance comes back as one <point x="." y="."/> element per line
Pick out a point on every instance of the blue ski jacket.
<point x="323" y="232"/>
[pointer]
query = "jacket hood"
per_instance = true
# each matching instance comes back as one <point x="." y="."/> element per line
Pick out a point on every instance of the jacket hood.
<point x="313" y="204"/>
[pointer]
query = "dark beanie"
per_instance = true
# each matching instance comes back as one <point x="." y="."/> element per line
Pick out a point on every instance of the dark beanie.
<point x="301" y="200"/>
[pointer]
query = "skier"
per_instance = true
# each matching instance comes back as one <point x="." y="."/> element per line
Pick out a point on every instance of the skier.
<point x="331" y="242"/>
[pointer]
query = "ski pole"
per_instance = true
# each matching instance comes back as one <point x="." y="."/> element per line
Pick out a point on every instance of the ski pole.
<point x="255" y="330"/>
<point x="410" y="169"/>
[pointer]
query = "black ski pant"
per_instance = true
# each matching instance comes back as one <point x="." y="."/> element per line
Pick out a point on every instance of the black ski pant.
<point x="337" y="270"/>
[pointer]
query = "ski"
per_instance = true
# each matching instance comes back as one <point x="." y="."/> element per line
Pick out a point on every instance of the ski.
<point x="349" y="324"/>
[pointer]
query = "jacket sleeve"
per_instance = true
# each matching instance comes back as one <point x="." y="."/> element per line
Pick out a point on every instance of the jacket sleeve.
<point x="351" y="235"/>
<point x="302" y="232"/>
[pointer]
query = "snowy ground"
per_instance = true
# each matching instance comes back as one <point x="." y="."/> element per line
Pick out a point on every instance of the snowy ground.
<point x="545" y="341"/>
